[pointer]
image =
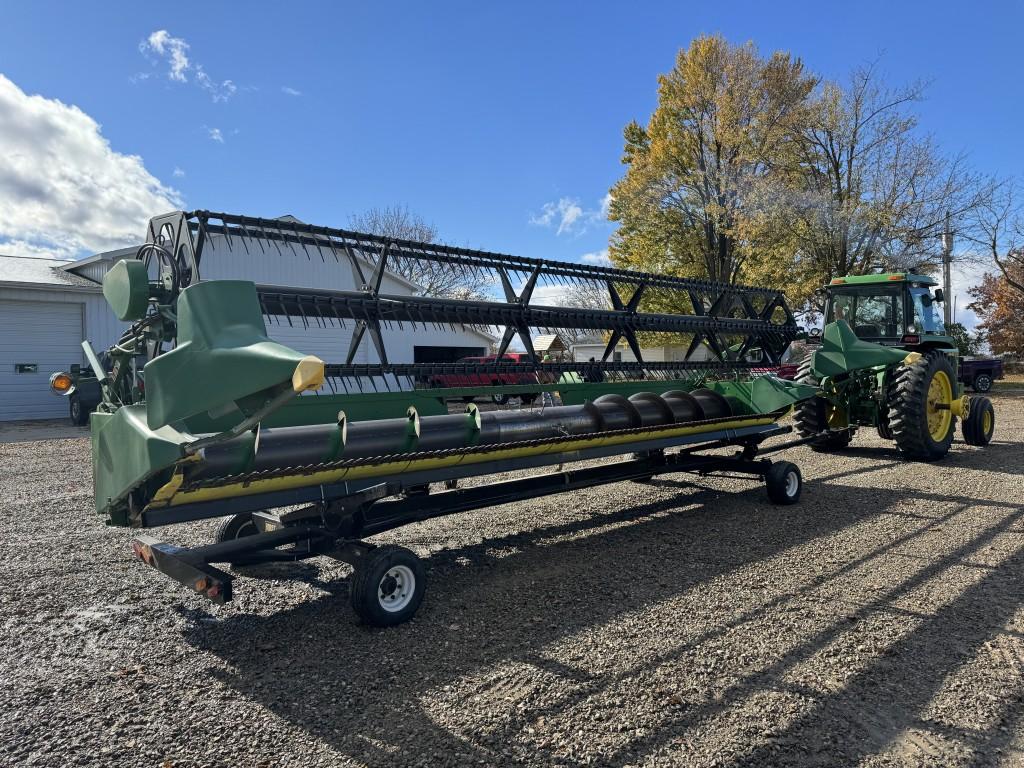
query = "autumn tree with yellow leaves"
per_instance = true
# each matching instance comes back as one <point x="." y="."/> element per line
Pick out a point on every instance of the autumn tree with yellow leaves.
<point x="754" y="170"/>
<point x="696" y="197"/>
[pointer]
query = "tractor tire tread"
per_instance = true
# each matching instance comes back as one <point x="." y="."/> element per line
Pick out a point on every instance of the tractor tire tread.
<point x="810" y="417"/>
<point x="907" y="406"/>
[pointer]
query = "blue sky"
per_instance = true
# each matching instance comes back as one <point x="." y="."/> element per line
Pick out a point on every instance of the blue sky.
<point x="474" y="115"/>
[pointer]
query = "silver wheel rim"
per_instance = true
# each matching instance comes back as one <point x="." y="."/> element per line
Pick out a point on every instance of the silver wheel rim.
<point x="792" y="483"/>
<point x="396" y="588"/>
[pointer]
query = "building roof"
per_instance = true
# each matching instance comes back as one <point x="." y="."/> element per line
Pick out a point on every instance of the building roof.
<point x="549" y="342"/>
<point x="29" y="272"/>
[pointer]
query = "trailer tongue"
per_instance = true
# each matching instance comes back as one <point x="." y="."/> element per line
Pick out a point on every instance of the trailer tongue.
<point x="303" y="457"/>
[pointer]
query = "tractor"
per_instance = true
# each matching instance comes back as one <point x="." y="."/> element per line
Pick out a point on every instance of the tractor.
<point x="884" y="361"/>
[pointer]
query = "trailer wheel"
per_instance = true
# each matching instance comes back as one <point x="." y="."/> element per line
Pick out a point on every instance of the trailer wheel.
<point x="236" y="527"/>
<point x="499" y="399"/>
<point x="982" y="383"/>
<point x="388" y="586"/>
<point x="784" y="482"/>
<point x="980" y="422"/>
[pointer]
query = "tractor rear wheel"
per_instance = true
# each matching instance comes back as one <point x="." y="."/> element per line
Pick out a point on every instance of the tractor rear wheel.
<point x="980" y="422"/>
<point x="920" y="414"/>
<point x="811" y="417"/>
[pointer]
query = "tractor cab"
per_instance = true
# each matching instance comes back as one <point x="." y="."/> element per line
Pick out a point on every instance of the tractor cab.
<point x="894" y="309"/>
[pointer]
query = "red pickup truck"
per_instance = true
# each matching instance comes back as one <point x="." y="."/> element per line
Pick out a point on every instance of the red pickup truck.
<point x="450" y="380"/>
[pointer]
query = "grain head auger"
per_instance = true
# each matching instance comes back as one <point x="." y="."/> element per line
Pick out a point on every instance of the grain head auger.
<point x="204" y="415"/>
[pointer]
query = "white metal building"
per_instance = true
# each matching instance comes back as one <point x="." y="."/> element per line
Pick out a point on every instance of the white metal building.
<point x="48" y="307"/>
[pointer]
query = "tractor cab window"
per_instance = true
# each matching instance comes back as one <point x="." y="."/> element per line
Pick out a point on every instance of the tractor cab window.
<point x="873" y="312"/>
<point x="926" y="318"/>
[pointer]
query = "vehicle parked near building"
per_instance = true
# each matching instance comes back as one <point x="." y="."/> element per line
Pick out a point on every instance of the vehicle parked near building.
<point x="454" y="380"/>
<point x="980" y="373"/>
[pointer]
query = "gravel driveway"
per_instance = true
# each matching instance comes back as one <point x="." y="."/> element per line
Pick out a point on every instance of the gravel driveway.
<point x="878" y="622"/>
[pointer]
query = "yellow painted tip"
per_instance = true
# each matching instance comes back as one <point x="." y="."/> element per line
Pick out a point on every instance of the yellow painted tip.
<point x="309" y="374"/>
<point x="912" y="358"/>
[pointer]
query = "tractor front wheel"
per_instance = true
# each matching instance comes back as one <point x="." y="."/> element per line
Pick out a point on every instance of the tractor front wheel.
<point x="980" y="422"/>
<point x="920" y="408"/>
<point x="811" y="417"/>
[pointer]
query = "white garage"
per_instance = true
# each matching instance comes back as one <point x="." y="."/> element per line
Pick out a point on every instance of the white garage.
<point x="46" y="311"/>
<point x="37" y="338"/>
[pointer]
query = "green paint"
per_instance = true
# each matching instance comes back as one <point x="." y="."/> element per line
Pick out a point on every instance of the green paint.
<point x="127" y="453"/>
<point x="223" y="356"/>
<point x="841" y="352"/>
<point x="886" y="277"/>
<point x="126" y="289"/>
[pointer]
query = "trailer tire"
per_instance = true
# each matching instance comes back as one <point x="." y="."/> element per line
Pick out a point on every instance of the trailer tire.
<point x="980" y="422"/>
<point x="921" y="431"/>
<point x="235" y="527"/>
<point x="388" y="586"/>
<point x="811" y="417"/>
<point x="784" y="482"/>
<point x="500" y="399"/>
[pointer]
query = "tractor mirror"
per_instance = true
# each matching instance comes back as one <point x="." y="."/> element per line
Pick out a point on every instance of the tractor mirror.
<point x="939" y="297"/>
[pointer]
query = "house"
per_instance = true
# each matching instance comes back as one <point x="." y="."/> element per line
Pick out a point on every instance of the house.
<point x="48" y="307"/>
<point x="590" y="347"/>
<point x="550" y="344"/>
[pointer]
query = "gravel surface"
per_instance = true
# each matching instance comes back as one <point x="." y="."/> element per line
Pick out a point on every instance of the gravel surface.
<point x="878" y="622"/>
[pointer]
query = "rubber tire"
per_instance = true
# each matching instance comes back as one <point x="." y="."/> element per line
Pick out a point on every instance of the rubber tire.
<point x="973" y="431"/>
<point x="982" y="383"/>
<point x="528" y="399"/>
<point x="81" y="418"/>
<point x="499" y="399"/>
<point x="810" y="417"/>
<point x="369" y="572"/>
<point x="908" y="405"/>
<point x="235" y="527"/>
<point x="884" y="430"/>
<point x="776" y="479"/>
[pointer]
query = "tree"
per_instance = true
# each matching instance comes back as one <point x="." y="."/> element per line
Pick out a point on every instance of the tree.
<point x="1001" y="308"/>
<point x="997" y="226"/>
<point x="867" y="188"/>
<point x="700" y="175"/>
<point x="434" y="279"/>
<point x="583" y="295"/>
<point x="966" y="342"/>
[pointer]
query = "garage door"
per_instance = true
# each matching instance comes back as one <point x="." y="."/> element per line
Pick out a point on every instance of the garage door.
<point x="36" y="339"/>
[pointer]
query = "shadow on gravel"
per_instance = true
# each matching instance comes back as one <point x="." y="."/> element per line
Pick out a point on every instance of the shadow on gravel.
<point x="370" y="694"/>
<point x="889" y="696"/>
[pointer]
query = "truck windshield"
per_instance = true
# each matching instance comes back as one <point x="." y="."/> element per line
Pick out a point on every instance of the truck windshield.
<point x="872" y="311"/>
<point x="925" y="317"/>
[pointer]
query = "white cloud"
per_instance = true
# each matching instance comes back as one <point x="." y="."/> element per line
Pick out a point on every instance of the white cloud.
<point x="216" y="135"/>
<point x="568" y="216"/>
<point x="64" y="191"/>
<point x="178" y="173"/>
<point x="598" y="258"/>
<point x="290" y="91"/>
<point x="174" y="51"/>
<point x="218" y="91"/>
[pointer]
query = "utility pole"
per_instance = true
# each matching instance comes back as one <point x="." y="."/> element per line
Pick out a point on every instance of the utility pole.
<point x="947" y="257"/>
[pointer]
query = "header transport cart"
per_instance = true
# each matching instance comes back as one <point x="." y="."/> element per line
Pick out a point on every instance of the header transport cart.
<point x="303" y="457"/>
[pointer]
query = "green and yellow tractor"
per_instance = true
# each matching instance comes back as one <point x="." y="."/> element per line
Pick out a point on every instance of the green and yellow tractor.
<point x="885" y="361"/>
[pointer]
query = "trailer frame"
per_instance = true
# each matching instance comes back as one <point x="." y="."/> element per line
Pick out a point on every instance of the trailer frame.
<point x="336" y="519"/>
